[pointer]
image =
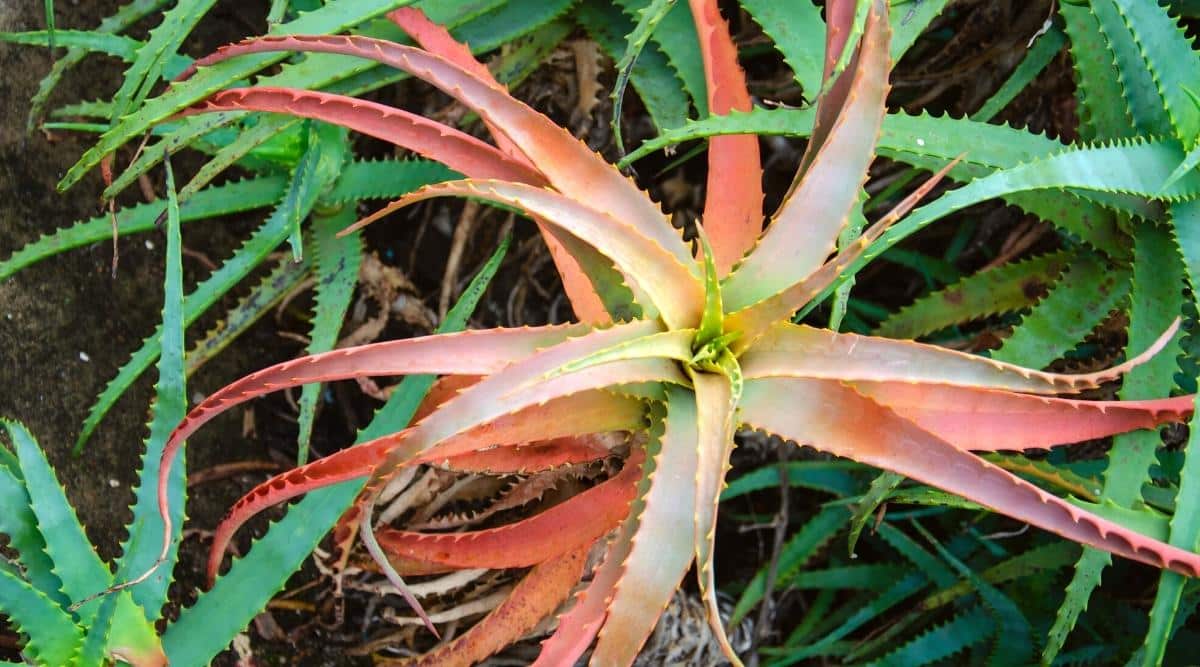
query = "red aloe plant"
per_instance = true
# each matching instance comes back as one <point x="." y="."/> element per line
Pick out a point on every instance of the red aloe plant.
<point x="701" y="346"/>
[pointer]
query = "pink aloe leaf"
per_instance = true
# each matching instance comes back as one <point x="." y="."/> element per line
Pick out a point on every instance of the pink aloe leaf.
<point x="575" y="522"/>
<point x="438" y="41"/>
<point x="715" y="404"/>
<point x="457" y="150"/>
<point x="673" y="287"/>
<point x="579" y="414"/>
<point x="834" y="418"/>
<point x="733" y="203"/>
<point x="801" y="351"/>
<point x="537" y="596"/>
<point x="663" y="547"/>
<point x="987" y="419"/>
<point x="754" y="320"/>
<point x="571" y="167"/>
<point x="804" y="231"/>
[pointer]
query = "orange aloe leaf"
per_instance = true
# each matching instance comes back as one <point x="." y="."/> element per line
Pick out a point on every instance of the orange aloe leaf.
<point x="457" y="150"/>
<point x="577" y="415"/>
<point x="800" y="351"/>
<point x="733" y="203"/>
<point x="985" y="419"/>
<point x="537" y="596"/>
<point x="671" y="285"/>
<point x="438" y="41"/>
<point x="570" y="166"/>
<point x="575" y="522"/>
<point x="836" y="419"/>
<point x="804" y="231"/>
<point x="663" y="547"/>
<point x="715" y="401"/>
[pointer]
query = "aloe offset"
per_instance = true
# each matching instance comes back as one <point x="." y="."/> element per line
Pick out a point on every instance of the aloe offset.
<point x="709" y="347"/>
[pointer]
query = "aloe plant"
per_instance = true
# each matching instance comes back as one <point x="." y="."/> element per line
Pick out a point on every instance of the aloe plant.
<point x="679" y="348"/>
<point x="52" y="597"/>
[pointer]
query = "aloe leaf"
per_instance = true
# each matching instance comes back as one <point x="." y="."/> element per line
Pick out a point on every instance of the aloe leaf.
<point x="798" y="33"/>
<point x="280" y="281"/>
<point x="165" y="39"/>
<point x="217" y="201"/>
<point x="1014" y="639"/>
<point x="900" y="591"/>
<point x="86" y="41"/>
<point x="205" y="628"/>
<point x="881" y="487"/>
<point x="964" y="630"/>
<point x="117" y="22"/>
<point x="96" y="639"/>
<point x="1097" y="86"/>
<point x="53" y="638"/>
<point x="1137" y="81"/>
<point x="331" y="18"/>
<point x="796" y="552"/>
<point x="1044" y="49"/>
<point x="833" y="477"/>
<point x="1051" y="556"/>
<point x="337" y="264"/>
<point x="1185" y="523"/>
<point x="994" y="291"/>
<point x="676" y="38"/>
<point x="648" y="19"/>
<point x="1167" y="58"/>
<point x="1089" y="290"/>
<point x="140" y="549"/>
<point x="19" y="524"/>
<point x="849" y="577"/>
<point x="1155" y="300"/>
<point x="652" y="77"/>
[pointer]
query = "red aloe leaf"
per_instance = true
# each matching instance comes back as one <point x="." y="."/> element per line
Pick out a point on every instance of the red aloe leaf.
<point x="672" y="286"/>
<point x="577" y="521"/>
<point x="466" y="353"/>
<point x="438" y="41"/>
<point x="985" y="419"/>
<point x="580" y="414"/>
<point x="457" y="150"/>
<point x="836" y="419"/>
<point x="570" y="166"/>
<point x="804" y="231"/>
<point x="536" y="597"/>
<point x="663" y="547"/>
<point x="801" y="351"/>
<point x="578" y="626"/>
<point x="715" y="402"/>
<point x="733" y="204"/>
<point x="435" y="39"/>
